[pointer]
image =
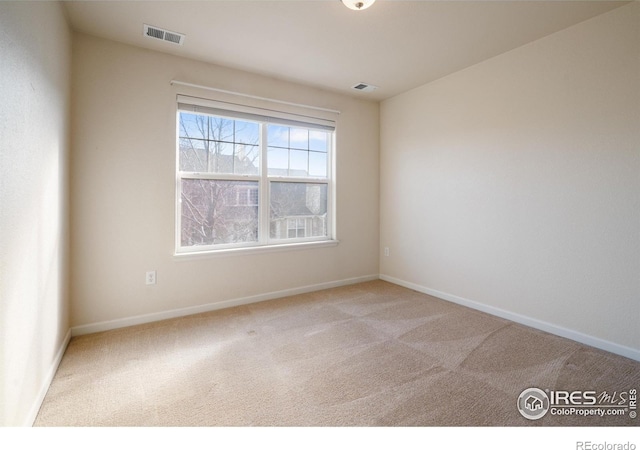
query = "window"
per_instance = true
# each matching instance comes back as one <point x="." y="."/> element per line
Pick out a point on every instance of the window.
<point x="248" y="179"/>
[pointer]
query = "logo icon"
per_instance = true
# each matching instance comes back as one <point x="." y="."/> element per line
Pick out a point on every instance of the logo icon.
<point x="533" y="403"/>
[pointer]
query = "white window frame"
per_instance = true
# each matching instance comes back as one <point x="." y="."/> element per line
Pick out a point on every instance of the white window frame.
<point x="263" y="116"/>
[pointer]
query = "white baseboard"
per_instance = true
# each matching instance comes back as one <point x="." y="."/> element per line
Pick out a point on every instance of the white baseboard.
<point x="35" y="408"/>
<point x="171" y="314"/>
<point x="577" y="336"/>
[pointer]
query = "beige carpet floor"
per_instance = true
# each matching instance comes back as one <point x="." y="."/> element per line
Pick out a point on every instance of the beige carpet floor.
<point x="371" y="354"/>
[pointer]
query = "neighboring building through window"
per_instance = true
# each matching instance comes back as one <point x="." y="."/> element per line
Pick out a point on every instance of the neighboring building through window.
<point x="247" y="179"/>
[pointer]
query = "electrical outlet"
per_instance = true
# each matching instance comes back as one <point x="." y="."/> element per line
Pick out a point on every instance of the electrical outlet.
<point x="386" y="251"/>
<point x="151" y="277"/>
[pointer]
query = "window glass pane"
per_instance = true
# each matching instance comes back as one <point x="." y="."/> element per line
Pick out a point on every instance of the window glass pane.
<point x="221" y="148"/>
<point x="298" y="163"/>
<point x="299" y="138"/>
<point x="218" y="212"/>
<point x="219" y="157"/>
<point x="191" y="125"/>
<point x="193" y="156"/>
<point x="247" y="133"/>
<point x="278" y="161"/>
<point x="318" y="164"/>
<point x="253" y="196"/>
<point x="299" y="160"/>
<point x="298" y="210"/>
<point x="318" y="140"/>
<point x="246" y="159"/>
<point x="218" y="145"/>
<point x="219" y="129"/>
<point x="278" y="136"/>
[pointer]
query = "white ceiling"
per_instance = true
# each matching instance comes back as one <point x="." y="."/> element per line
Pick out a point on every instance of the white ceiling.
<point x="396" y="44"/>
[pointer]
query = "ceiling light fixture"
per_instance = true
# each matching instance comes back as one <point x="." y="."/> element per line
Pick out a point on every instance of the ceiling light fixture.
<point x="358" y="5"/>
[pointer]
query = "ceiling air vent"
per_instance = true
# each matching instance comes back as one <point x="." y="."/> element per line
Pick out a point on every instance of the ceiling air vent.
<point x="164" y="35"/>
<point x="364" y="87"/>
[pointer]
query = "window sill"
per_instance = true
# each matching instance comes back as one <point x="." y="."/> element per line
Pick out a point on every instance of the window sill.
<point x="242" y="251"/>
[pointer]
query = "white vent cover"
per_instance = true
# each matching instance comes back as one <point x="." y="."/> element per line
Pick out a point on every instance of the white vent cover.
<point x="164" y="35"/>
<point x="364" y="87"/>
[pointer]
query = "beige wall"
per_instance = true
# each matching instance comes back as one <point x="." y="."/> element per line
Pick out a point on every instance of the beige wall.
<point x="35" y="52"/>
<point x="515" y="183"/>
<point x="123" y="190"/>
